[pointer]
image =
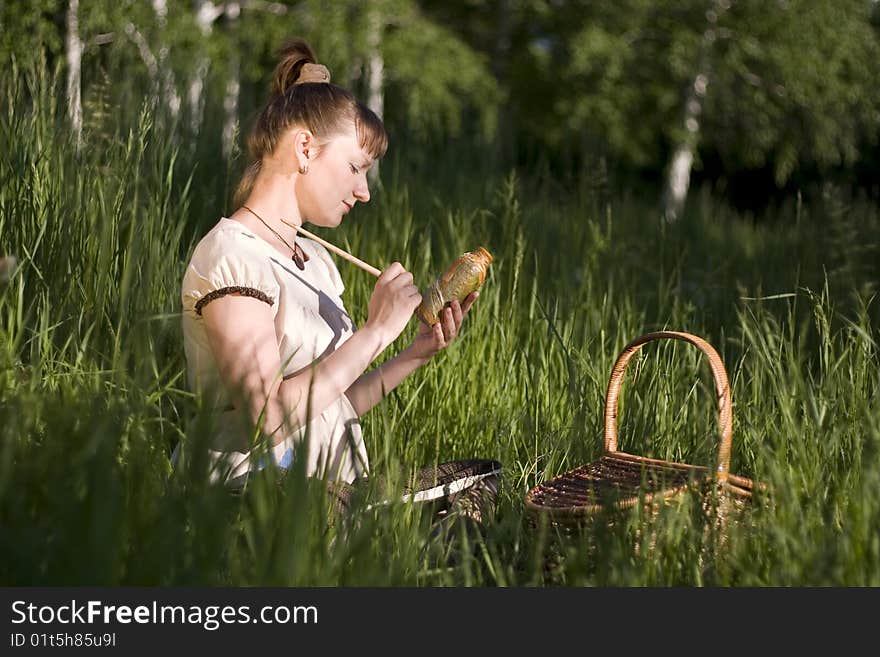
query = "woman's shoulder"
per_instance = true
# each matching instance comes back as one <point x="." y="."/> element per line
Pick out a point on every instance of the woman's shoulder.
<point x="228" y="259"/>
<point x="227" y="237"/>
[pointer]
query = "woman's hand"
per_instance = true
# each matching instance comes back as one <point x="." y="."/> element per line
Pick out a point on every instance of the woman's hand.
<point x="433" y="339"/>
<point x="370" y="388"/>
<point x="392" y="303"/>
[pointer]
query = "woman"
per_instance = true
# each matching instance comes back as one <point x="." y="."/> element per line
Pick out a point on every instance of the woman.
<point x="264" y="324"/>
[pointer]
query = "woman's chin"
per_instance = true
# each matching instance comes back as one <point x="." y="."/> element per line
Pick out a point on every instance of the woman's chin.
<point x="324" y="222"/>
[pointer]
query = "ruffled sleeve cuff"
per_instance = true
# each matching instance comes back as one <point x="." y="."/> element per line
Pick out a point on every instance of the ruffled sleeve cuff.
<point x="220" y="267"/>
<point x="232" y="289"/>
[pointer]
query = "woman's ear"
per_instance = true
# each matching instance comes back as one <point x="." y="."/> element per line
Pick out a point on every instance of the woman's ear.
<point x="303" y="144"/>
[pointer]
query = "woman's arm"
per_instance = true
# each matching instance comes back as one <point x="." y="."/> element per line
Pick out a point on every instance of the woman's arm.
<point x="372" y="387"/>
<point x="241" y="332"/>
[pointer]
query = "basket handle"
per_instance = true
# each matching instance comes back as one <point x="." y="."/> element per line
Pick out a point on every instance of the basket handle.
<point x="722" y="390"/>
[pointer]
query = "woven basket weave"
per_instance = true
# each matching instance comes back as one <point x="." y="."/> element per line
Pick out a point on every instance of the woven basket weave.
<point x="621" y="480"/>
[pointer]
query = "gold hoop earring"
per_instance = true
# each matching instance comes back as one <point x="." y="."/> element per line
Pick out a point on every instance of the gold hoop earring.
<point x="304" y="169"/>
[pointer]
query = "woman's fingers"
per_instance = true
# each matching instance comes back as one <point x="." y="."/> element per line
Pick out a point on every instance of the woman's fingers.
<point x="393" y="301"/>
<point x="468" y="302"/>
<point x="457" y="314"/>
<point x="403" y="279"/>
<point x="403" y="283"/>
<point x="447" y="319"/>
<point x="393" y="271"/>
<point x="400" y="282"/>
<point x="450" y="318"/>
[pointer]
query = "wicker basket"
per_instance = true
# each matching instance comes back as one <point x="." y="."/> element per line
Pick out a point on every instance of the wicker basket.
<point x="621" y="480"/>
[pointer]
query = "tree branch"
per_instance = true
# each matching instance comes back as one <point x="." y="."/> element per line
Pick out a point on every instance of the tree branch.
<point x="103" y="39"/>
<point x="144" y="49"/>
<point x="261" y="5"/>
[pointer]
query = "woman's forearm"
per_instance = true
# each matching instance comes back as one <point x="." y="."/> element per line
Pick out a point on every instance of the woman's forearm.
<point x="370" y="388"/>
<point x="244" y="343"/>
<point x="295" y="401"/>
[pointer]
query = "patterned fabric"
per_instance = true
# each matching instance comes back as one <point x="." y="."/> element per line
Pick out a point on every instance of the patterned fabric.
<point x="466" y="488"/>
<point x="236" y="289"/>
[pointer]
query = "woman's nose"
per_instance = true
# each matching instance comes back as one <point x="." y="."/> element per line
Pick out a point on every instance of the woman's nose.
<point x="362" y="191"/>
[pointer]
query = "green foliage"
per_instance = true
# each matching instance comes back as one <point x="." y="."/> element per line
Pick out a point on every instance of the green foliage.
<point x="29" y="30"/>
<point x="791" y="85"/>
<point x="788" y="83"/>
<point x="795" y="85"/>
<point x="92" y="395"/>
<point x="438" y="79"/>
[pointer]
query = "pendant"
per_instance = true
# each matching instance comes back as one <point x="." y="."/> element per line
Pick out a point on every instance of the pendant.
<point x="298" y="261"/>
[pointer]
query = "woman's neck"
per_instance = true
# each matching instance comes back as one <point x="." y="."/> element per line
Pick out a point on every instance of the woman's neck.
<point x="273" y="198"/>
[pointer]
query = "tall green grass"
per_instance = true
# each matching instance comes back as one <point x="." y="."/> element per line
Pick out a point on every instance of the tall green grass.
<point x="93" y="398"/>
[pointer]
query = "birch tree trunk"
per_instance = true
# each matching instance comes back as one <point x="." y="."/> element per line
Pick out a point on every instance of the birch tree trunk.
<point x="74" y="49"/>
<point x="206" y="13"/>
<point x="161" y="78"/>
<point x="375" y="72"/>
<point x="233" y="86"/>
<point x="169" y="88"/>
<point x="678" y="177"/>
<point x="146" y="57"/>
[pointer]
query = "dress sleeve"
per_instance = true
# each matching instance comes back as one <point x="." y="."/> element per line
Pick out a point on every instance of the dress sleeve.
<point x="224" y="265"/>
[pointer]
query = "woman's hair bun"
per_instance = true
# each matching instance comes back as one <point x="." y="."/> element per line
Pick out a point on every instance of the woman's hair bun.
<point x="292" y="56"/>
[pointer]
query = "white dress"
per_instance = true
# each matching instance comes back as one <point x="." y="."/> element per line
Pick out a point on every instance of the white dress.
<point x="310" y="323"/>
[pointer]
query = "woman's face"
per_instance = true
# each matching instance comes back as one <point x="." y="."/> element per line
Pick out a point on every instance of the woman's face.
<point x="335" y="182"/>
